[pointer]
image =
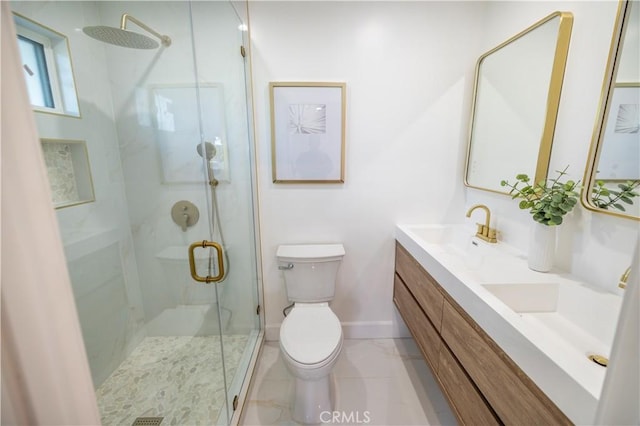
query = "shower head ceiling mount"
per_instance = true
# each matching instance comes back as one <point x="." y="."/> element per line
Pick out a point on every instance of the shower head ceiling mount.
<point x="125" y="38"/>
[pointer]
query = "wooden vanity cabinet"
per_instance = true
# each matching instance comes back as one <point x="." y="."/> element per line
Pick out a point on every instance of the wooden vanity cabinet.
<point x="424" y="333"/>
<point x="482" y="384"/>
<point x="467" y="402"/>
<point x="422" y="286"/>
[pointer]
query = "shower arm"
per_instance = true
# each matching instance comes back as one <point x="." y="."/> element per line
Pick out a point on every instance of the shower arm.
<point x="166" y="40"/>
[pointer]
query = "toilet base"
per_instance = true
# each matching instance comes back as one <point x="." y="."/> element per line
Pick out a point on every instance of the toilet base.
<point x="311" y="398"/>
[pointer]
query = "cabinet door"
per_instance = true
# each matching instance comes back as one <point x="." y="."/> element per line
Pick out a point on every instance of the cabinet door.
<point x="421" y="328"/>
<point x="499" y="379"/>
<point x="466" y="401"/>
<point x="423" y="287"/>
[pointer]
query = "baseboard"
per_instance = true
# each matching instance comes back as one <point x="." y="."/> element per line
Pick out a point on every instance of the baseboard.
<point x="357" y="330"/>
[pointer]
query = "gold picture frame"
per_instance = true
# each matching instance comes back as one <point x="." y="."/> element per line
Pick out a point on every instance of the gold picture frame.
<point x="307" y="132"/>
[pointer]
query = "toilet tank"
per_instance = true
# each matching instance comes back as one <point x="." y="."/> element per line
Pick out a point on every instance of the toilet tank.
<point x="310" y="270"/>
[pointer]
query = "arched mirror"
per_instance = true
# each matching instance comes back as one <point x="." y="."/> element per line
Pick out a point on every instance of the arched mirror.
<point x="613" y="170"/>
<point x="515" y="104"/>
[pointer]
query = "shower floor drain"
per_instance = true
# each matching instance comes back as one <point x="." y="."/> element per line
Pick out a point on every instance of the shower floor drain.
<point x="147" y="421"/>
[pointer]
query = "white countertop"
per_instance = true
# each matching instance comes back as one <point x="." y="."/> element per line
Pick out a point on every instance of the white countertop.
<point x="548" y="348"/>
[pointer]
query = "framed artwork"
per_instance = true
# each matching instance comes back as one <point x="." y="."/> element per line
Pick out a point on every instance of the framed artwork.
<point x="307" y="132"/>
<point x="620" y="152"/>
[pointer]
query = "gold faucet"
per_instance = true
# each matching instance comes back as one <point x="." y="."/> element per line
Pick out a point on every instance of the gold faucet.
<point x="485" y="232"/>
<point x="623" y="279"/>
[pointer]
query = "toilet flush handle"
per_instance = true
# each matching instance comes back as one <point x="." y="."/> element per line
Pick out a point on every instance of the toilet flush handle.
<point x="285" y="267"/>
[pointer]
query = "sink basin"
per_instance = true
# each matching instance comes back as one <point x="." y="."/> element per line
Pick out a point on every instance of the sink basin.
<point x="581" y="315"/>
<point x="441" y="234"/>
<point x="522" y="298"/>
<point x="467" y="255"/>
<point x="457" y="240"/>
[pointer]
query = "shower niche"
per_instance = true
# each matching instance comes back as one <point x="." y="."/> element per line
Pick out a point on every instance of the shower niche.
<point x="69" y="172"/>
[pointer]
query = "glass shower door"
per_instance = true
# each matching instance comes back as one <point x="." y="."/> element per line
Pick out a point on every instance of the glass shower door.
<point x="230" y="180"/>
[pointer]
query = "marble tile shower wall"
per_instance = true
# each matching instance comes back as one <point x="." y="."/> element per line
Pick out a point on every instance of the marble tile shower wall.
<point x="89" y="229"/>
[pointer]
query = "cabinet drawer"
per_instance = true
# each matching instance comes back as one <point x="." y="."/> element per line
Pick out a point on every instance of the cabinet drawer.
<point x="513" y="396"/>
<point x="466" y="400"/>
<point x="423" y="287"/>
<point x="421" y="328"/>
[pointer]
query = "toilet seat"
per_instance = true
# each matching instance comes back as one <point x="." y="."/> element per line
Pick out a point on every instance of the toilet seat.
<point x="311" y="333"/>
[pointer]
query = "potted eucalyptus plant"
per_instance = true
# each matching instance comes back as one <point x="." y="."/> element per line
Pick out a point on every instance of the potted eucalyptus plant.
<point x="548" y="201"/>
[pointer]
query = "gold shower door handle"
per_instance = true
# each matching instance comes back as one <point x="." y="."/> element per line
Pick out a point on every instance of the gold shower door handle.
<point x="192" y="262"/>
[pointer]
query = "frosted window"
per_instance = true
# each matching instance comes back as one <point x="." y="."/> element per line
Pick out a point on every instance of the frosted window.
<point x="35" y="72"/>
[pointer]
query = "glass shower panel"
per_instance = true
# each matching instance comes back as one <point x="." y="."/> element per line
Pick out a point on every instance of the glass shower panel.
<point x="219" y="53"/>
<point x="160" y="345"/>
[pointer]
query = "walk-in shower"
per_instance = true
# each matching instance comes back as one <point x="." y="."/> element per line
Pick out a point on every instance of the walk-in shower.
<point x="160" y="127"/>
<point x="126" y="38"/>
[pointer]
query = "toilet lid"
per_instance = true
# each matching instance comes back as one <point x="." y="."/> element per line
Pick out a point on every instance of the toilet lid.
<point x="309" y="335"/>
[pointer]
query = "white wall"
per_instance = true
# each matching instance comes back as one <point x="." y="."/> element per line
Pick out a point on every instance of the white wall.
<point x="408" y="67"/>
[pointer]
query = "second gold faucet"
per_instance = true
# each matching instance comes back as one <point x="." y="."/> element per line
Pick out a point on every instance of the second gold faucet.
<point x="485" y="232"/>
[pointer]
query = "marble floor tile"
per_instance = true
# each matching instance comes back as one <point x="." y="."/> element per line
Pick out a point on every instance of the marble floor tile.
<point x="179" y="378"/>
<point x="377" y="381"/>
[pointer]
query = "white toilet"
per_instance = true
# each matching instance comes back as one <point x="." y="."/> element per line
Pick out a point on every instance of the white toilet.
<point x="311" y="334"/>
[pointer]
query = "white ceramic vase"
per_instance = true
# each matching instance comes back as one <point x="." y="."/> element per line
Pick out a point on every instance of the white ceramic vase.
<point x="542" y="247"/>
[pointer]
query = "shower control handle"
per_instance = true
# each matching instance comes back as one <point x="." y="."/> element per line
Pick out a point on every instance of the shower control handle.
<point x="286" y="267"/>
<point x="185" y="214"/>
<point x="192" y="262"/>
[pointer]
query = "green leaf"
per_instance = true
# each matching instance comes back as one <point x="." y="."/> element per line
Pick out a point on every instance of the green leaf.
<point x="566" y="207"/>
<point x="556" y="220"/>
<point x="523" y="177"/>
<point x="557" y="212"/>
<point x="626" y="199"/>
<point x="523" y="205"/>
<point x="618" y="206"/>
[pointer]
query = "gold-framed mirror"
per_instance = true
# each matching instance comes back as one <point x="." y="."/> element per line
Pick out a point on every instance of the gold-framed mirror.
<point x="612" y="174"/>
<point x="515" y="103"/>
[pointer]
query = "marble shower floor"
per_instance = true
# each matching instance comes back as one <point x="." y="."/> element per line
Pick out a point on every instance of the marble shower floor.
<point x="176" y="377"/>
<point x="378" y="382"/>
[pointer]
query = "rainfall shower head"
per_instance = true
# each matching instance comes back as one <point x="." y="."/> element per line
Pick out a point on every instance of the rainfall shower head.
<point x="125" y="38"/>
<point x="210" y="150"/>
